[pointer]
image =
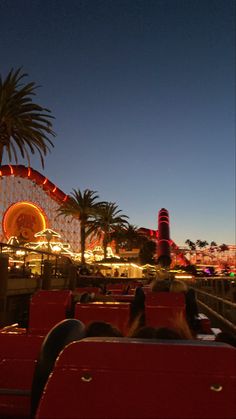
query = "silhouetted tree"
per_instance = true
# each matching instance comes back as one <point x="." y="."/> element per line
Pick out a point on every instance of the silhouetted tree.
<point x="83" y="206"/>
<point x="25" y="126"/>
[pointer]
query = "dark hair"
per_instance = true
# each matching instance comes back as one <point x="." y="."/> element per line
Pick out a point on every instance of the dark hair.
<point x="102" y="329"/>
<point x="145" y="332"/>
<point x="85" y="298"/>
<point x="166" y="333"/>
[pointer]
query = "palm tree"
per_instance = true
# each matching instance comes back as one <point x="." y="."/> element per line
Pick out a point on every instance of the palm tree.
<point x="128" y="237"/>
<point x="212" y="249"/>
<point x="84" y="207"/>
<point x="24" y="125"/>
<point x="190" y="244"/>
<point x="108" y="220"/>
<point x="202" y="244"/>
<point x="192" y="247"/>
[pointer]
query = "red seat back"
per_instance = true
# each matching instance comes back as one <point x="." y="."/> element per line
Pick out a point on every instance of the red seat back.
<point x="116" y="313"/>
<point x="126" y="378"/>
<point x="18" y="354"/>
<point x="162" y="308"/>
<point x="47" y="308"/>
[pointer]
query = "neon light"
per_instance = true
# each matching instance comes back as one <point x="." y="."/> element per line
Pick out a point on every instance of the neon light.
<point x="45" y="181"/>
<point x="54" y="189"/>
<point x="29" y="172"/>
<point x="18" y="204"/>
<point x="11" y="169"/>
<point x="164" y="221"/>
<point x="0" y="173"/>
<point x="151" y="232"/>
<point x="66" y="197"/>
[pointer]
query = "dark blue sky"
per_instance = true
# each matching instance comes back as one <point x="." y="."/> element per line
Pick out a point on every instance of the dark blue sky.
<point x="144" y="98"/>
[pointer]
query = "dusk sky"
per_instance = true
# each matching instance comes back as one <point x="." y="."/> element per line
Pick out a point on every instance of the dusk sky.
<point x="143" y="94"/>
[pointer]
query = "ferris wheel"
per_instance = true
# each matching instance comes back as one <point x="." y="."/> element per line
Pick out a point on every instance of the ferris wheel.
<point x="29" y="203"/>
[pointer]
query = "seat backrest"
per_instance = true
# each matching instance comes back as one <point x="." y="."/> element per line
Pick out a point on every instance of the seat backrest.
<point x="116" y="313"/>
<point x="66" y="331"/>
<point x="162" y="308"/>
<point x="47" y="308"/>
<point x="128" y="378"/>
<point x="18" y="354"/>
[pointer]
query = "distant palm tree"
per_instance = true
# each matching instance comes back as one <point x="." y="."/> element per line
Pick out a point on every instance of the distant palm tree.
<point x="129" y="237"/>
<point x="201" y="244"/>
<point x="213" y="244"/>
<point x="223" y="247"/>
<point x="212" y="249"/>
<point x="24" y="125"/>
<point x="191" y="244"/>
<point x="83" y="206"/>
<point x="192" y="247"/>
<point x="108" y="220"/>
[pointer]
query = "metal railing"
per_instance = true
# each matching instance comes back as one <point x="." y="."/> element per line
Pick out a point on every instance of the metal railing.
<point x="218" y="296"/>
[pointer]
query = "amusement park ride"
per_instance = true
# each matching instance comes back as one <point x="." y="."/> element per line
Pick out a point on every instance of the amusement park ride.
<point x="29" y="203"/>
<point x="49" y="370"/>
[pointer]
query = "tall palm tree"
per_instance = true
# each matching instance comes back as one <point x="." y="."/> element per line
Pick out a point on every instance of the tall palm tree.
<point x="109" y="219"/>
<point x="25" y="126"/>
<point x="84" y="207"/>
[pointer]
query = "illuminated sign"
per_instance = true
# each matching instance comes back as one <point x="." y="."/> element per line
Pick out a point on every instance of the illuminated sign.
<point x="22" y="220"/>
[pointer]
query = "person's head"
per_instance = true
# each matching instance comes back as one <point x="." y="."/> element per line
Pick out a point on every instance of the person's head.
<point x="167" y="333"/>
<point x="145" y="332"/>
<point x="178" y="286"/>
<point x="160" y="285"/>
<point x="102" y="329"/>
<point x="85" y="298"/>
<point x="226" y="337"/>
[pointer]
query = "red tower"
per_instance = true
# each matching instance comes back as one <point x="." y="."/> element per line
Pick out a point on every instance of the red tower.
<point x="163" y="250"/>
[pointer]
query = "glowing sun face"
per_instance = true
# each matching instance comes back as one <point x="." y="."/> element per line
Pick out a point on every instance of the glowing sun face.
<point x="23" y="219"/>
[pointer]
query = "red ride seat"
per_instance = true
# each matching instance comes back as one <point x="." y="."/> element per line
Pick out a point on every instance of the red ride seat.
<point x="47" y="308"/>
<point x="18" y="354"/>
<point x="162" y="308"/>
<point x="121" y="378"/>
<point x="116" y="313"/>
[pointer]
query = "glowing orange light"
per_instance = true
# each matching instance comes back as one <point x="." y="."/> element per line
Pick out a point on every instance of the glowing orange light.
<point x="11" y="169"/>
<point x="54" y="190"/>
<point x="66" y="197"/>
<point x="45" y="181"/>
<point x="23" y="219"/>
<point x="29" y="172"/>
